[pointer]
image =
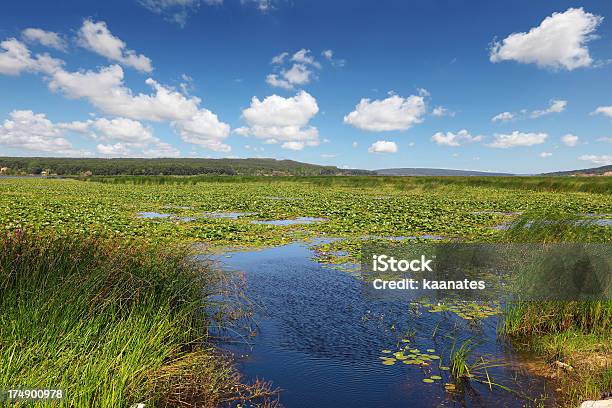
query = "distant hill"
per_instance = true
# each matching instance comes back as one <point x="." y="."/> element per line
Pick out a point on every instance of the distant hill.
<point x="592" y="171"/>
<point x="435" y="172"/>
<point x="170" y="167"/>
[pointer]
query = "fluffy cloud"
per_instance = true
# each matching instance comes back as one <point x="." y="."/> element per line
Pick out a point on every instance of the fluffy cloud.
<point x="556" y="106"/>
<point x="277" y="82"/>
<point x="204" y="129"/>
<point x="122" y="137"/>
<point x="16" y="58"/>
<point x="503" y="117"/>
<point x="383" y="146"/>
<point x="517" y="139"/>
<point x="121" y="149"/>
<point x="280" y="58"/>
<point x="604" y="110"/>
<point x="122" y="129"/>
<point x="96" y="37"/>
<point x="298" y="73"/>
<point x="605" y="139"/>
<point x="545" y="155"/>
<point x="293" y="145"/>
<point x="33" y="131"/>
<point x="303" y="56"/>
<point x="46" y="38"/>
<point x="560" y="41"/>
<point x="455" y="139"/>
<point x="570" y="140"/>
<point x="76" y="126"/>
<point x="118" y="136"/>
<point x="106" y="91"/>
<point x="442" y="111"/>
<point x="277" y="119"/>
<point x="393" y="113"/>
<point x="603" y="160"/>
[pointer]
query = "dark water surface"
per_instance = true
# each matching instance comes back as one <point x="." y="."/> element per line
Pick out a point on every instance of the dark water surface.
<point x="320" y="340"/>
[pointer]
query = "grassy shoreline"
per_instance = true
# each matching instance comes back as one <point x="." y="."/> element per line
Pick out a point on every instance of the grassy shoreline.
<point x="112" y="323"/>
<point x="573" y="336"/>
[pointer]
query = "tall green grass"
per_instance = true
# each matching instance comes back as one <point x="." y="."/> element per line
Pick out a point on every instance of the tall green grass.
<point x="576" y="332"/>
<point x="534" y="183"/>
<point x="109" y="322"/>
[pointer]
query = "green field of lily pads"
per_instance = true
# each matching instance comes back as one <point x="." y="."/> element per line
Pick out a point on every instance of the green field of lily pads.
<point x="222" y="213"/>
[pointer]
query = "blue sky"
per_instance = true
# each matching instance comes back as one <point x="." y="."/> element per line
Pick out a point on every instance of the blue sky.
<point x="366" y="84"/>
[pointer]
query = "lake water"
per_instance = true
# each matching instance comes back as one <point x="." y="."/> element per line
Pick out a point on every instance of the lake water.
<point x="320" y="339"/>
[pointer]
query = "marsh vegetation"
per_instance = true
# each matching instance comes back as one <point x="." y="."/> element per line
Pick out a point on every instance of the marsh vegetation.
<point x="84" y="274"/>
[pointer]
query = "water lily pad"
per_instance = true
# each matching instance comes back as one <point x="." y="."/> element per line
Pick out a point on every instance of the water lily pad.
<point x="444" y="368"/>
<point x="386" y="351"/>
<point x="428" y="380"/>
<point x="434" y="357"/>
<point x="435" y="377"/>
<point x="388" y="362"/>
<point x="431" y="350"/>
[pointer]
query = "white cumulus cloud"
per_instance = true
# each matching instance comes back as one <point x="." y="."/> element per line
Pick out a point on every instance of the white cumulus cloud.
<point x="455" y="139"/>
<point x="106" y="91"/>
<point x="517" y="139"/>
<point x="298" y="71"/>
<point x="570" y="140"/>
<point x="46" y="38"/>
<point x="602" y="160"/>
<point x="556" y="106"/>
<point x="383" y="146"/>
<point x="545" y="155"/>
<point x="392" y="113"/>
<point x="204" y="129"/>
<point x="604" y="110"/>
<point x="16" y="58"/>
<point x="34" y="131"/>
<point x="282" y="120"/>
<point x="503" y="117"/>
<point x="442" y="111"/>
<point x="96" y="37"/>
<point x="560" y="41"/>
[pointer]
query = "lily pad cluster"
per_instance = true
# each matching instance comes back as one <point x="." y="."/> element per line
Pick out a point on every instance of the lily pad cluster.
<point x="410" y="355"/>
<point x="465" y="310"/>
